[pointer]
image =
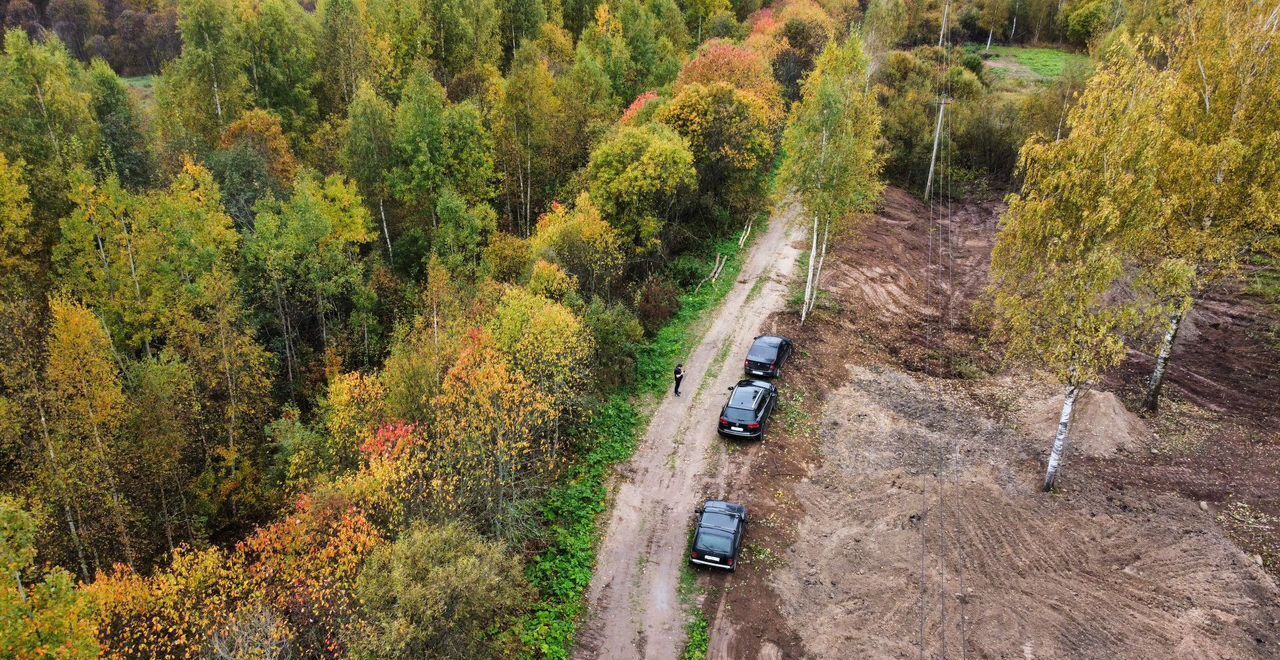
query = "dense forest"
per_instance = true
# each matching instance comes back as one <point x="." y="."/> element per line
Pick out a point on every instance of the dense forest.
<point x="318" y="324"/>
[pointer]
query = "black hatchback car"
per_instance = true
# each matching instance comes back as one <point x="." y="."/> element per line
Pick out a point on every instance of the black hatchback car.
<point x="746" y="414"/>
<point x="718" y="537"/>
<point x="767" y="355"/>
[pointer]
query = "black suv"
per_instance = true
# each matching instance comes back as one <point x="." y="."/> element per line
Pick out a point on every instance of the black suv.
<point x="747" y="412"/>
<point x="718" y="538"/>
<point x="767" y="356"/>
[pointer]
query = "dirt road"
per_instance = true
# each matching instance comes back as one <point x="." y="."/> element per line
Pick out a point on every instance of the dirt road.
<point x="634" y="609"/>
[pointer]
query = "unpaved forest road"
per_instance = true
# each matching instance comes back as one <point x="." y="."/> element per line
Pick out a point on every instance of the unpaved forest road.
<point x="634" y="609"/>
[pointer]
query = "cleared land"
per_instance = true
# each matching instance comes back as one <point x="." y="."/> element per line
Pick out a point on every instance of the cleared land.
<point x="899" y="503"/>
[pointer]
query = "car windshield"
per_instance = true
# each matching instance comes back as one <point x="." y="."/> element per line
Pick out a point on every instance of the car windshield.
<point x="744" y="398"/>
<point x="720" y="520"/>
<point x="713" y="542"/>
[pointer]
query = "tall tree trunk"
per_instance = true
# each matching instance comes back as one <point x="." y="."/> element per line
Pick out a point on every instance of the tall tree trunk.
<point x="385" y="234"/>
<point x="808" y="282"/>
<point x="71" y="523"/>
<point x="990" y="33"/>
<point x="1060" y="439"/>
<point x="822" y="257"/>
<point x="1156" y="382"/>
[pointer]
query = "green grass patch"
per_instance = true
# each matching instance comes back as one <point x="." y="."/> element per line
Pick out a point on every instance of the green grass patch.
<point x="1047" y="64"/>
<point x="1265" y="281"/>
<point x="141" y="82"/>
<point x="562" y="571"/>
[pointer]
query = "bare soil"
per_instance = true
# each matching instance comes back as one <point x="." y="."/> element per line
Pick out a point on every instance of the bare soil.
<point x="634" y="608"/>
<point x="896" y="509"/>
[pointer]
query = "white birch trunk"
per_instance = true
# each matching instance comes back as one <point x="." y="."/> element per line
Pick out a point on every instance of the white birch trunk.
<point x="990" y="32"/>
<point x="808" y="283"/>
<point x="817" y="276"/>
<point x="1060" y="439"/>
<point x="385" y="234"/>
<point x="1156" y="382"/>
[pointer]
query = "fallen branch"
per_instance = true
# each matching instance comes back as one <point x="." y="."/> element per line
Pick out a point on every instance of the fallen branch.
<point x="715" y="272"/>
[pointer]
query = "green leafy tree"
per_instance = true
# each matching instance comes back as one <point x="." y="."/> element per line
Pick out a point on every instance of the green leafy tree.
<point x="49" y="122"/>
<point x="830" y="143"/>
<point x="468" y="152"/>
<point x="419" y="136"/>
<point x="439" y="592"/>
<point x="302" y="262"/>
<point x="463" y="233"/>
<point x="525" y="134"/>
<point x="605" y="42"/>
<point x="124" y="148"/>
<point x="43" y="613"/>
<point x="731" y="135"/>
<point x="638" y="178"/>
<point x="369" y="154"/>
<point x="589" y="108"/>
<point x="279" y="39"/>
<point x="349" y="52"/>
<point x="205" y="89"/>
<point x="520" y="20"/>
<point x="136" y="256"/>
<point x="884" y="25"/>
<point x="469" y="36"/>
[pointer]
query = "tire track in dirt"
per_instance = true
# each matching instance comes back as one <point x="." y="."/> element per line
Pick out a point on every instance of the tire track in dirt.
<point x="633" y="606"/>
<point x="1084" y="574"/>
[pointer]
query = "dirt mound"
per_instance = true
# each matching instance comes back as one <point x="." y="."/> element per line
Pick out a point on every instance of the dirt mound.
<point x="1100" y="425"/>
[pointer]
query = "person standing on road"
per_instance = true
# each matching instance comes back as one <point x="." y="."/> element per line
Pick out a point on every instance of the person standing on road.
<point x="679" y="377"/>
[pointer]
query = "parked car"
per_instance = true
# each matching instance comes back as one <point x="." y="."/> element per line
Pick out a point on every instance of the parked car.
<point x="718" y="537"/>
<point x="746" y="414"/>
<point x="767" y="355"/>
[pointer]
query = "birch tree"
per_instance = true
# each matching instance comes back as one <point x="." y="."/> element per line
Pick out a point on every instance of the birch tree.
<point x="369" y="154"/>
<point x="1220" y="177"/>
<point x="205" y="89"/>
<point x="1063" y="295"/>
<point x="830" y="144"/>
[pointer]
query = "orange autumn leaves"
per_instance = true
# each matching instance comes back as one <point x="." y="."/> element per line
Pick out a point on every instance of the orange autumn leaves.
<point x="494" y="440"/>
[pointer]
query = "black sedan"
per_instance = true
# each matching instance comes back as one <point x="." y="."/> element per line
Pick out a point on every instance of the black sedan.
<point x="746" y="414"/>
<point x="767" y="355"/>
<point x="718" y="538"/>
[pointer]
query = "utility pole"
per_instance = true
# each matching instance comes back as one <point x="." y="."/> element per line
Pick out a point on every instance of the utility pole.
<point x="946" y="11"/>
<point x="933" y="159"/>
